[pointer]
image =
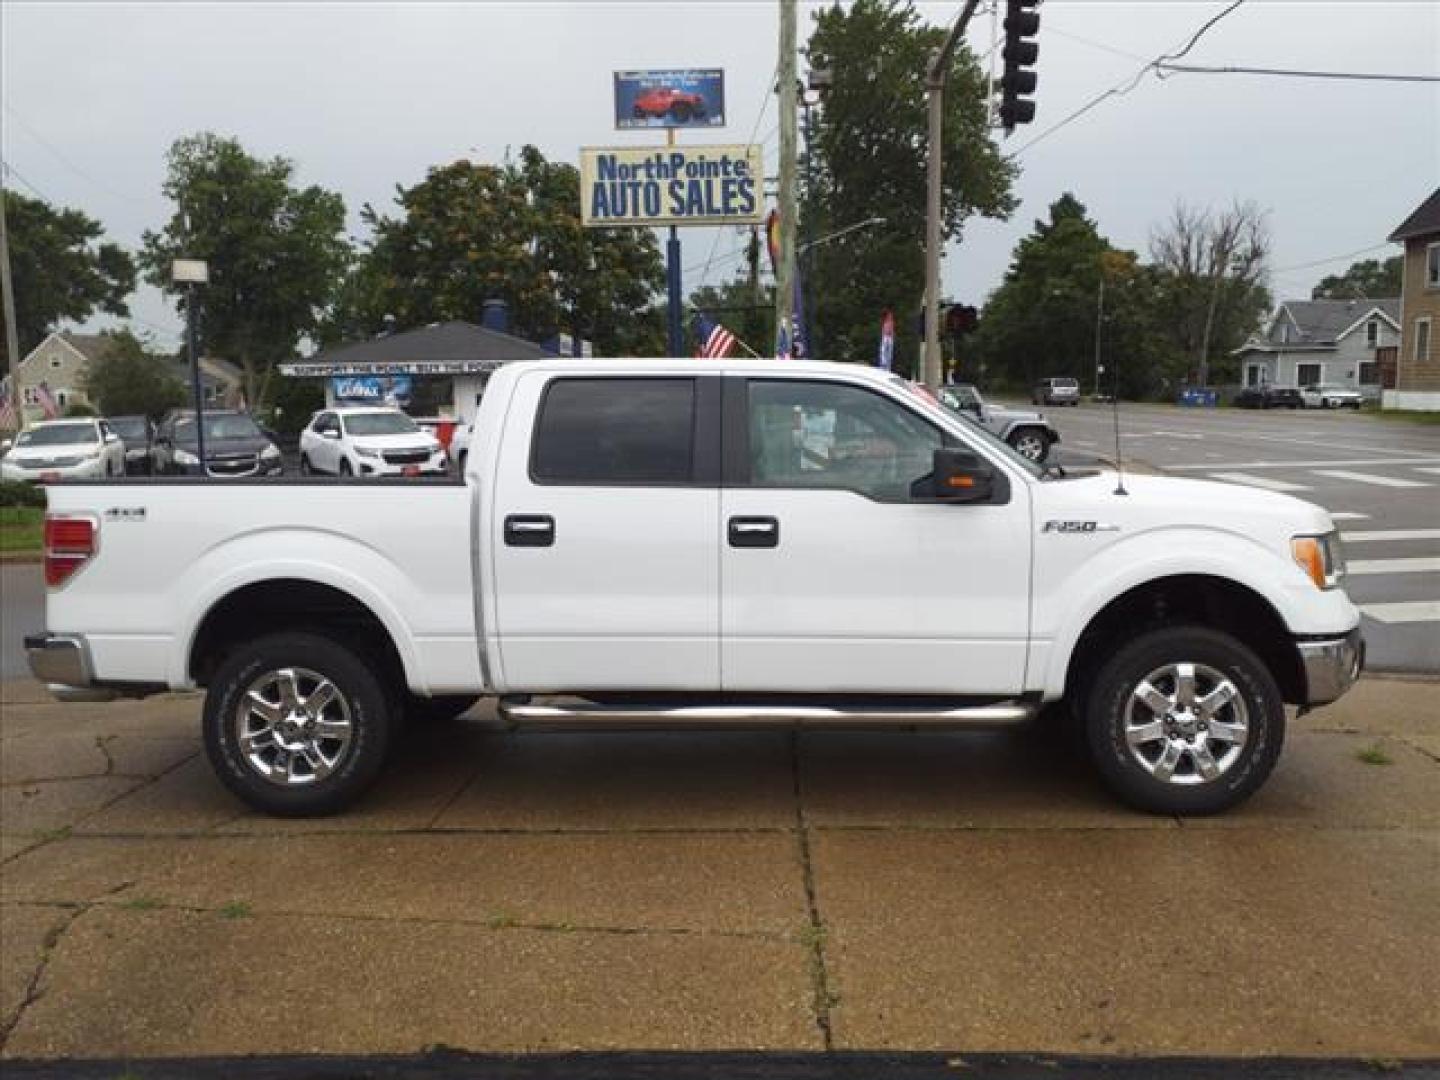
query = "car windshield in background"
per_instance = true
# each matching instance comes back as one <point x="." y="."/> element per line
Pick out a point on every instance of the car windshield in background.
<point x="59" y="435"/>
<point x="219" y="427"/>
<point x="380" y="423"/>
<point x="129" y="427"/>
<point x="923" y="396"/>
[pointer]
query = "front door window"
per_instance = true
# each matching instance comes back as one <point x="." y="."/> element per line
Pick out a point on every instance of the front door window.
<point x="1307" y="374"/>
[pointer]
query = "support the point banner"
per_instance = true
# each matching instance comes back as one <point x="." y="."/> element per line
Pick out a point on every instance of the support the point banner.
<point x="673" y="185"/>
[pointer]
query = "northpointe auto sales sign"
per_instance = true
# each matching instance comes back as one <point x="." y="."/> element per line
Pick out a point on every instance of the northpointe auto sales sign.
<point x="674" y="185"/>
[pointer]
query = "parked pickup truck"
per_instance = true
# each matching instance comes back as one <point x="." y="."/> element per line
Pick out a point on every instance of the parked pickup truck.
<point x="697" y="542"/>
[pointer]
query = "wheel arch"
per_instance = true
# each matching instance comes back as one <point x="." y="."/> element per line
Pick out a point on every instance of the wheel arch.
<point x="1210" y="600"/>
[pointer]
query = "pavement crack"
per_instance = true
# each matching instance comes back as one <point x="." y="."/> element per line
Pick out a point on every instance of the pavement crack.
<point x="35" y="987"/>
<point x="102" y="744"/>
<point x="813" y="936"/>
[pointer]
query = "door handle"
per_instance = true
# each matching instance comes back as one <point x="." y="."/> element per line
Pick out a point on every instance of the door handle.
<point x="529" y="530"/>
<point x="754" y="532"/>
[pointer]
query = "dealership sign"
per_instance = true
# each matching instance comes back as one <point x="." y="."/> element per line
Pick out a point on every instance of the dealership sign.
<point x="685" y="98"/>
<point x="372" y="389"/>
<point x="677" y="185"/>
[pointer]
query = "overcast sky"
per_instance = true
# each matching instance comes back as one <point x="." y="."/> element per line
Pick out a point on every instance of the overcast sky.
<point x="363" y="96"/>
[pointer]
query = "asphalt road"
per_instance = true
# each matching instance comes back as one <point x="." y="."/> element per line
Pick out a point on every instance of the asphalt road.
<point x="1381" y="478"/>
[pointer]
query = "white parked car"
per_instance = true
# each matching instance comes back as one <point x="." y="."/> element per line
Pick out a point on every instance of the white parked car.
<point x="710" y="542"/>
<point x="1331" y="397"/>
<point x="65" y="450"/>
<point x="369" y="442"/>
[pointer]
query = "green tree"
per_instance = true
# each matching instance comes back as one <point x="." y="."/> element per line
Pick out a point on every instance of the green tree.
<point x="471" y="232"/>
<point x="127" y="379"/>
<point x="868" y="159"/>
<point x="276" y="252"/>
<point x="745" y="308"/>
<point x="61" y="269"/>
<point x="1369" y="279"/>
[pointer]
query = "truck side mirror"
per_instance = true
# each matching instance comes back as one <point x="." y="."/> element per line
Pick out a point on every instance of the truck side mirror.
<point x="961" y="476"/>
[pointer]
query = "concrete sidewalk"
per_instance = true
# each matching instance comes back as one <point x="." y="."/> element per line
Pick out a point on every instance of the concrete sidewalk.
<point x="716" y="891"/>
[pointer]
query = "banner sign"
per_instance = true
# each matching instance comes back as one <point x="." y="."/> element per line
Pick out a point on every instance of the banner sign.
<point x="677" y="185"/>
<point x="394" y="390"/>
<point x="687" y="98"/>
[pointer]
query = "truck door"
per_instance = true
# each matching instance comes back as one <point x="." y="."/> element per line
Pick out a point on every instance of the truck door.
<point x="837" y="575"/>
<point x="605" y="533"/>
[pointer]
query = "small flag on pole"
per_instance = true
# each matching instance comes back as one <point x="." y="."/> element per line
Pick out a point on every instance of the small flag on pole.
<point x="47" y="401"/>
<point x="886" y="358"/>
<point x="715" y="341"/>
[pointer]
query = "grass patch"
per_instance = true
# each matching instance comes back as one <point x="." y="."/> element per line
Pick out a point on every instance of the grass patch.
<point x="236" y="909"/>
<point x="1407" y="416"/>
<point x="21" y="528"/>
<point x="1374" y="754"/>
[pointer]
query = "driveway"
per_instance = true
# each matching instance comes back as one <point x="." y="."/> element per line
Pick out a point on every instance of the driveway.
<point x="715" y="891"/>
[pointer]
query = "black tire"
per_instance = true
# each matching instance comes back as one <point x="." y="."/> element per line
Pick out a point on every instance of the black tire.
<point x="345" y="469"/>
<point x="305" y="469"/>
<point x="460" y="460"/>
<point x="1035" y="442"/>
<point x="356" y="765"/>
<point x="438" y="710"/>
<point x="680" y="111"/>
<point x="637" y="112"/>
<point x="1109" y="705"/>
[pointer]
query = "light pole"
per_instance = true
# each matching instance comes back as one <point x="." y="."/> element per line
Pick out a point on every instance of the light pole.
<point x="1099" y="318"/>
<point x="815" y="86"/>
<point x="192" y="272"/>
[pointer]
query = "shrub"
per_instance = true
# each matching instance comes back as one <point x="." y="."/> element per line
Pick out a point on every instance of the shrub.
<point x="19" y="493"/>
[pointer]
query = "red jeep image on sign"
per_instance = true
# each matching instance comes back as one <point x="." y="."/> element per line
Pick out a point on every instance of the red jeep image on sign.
<point x="664" y="99"/>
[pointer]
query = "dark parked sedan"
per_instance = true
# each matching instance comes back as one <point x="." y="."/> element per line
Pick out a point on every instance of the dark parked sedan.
<point x="138" y="435"/>
<point x="1269" y="397"/>
<point x="235" y="446"/>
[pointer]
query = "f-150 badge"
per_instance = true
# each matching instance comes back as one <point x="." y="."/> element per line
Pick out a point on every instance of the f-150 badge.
<point x="1078" y="527"/>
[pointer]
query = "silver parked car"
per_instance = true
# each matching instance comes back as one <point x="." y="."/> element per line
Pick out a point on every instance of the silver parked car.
<point x="1028" y="433"/>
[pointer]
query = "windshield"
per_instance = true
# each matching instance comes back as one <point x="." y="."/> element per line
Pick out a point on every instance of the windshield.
<point x="228" y="426"/>
<point x="973" y="425"/>
<point x="59" y="435"/>
<point x="380" y="423"/>
<point x="129" y="427"/>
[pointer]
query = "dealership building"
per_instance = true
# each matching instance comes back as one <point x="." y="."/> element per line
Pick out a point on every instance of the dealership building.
<point x="438" y="370"/>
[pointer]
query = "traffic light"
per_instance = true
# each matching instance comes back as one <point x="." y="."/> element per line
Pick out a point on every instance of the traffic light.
<point x="1022" y="23"/>
<point x="961" y="319"/>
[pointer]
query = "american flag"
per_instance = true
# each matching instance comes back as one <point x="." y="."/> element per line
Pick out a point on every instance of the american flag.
<point x="9" y="418"/>
<point x="47" y="401"/>
<point x="715" y="341"/>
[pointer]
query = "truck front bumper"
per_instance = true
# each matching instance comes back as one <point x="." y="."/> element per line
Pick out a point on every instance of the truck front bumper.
<point x="1331" y="665"/>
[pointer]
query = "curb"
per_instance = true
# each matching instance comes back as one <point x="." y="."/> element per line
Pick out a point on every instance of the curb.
<point x="21" y="557"/>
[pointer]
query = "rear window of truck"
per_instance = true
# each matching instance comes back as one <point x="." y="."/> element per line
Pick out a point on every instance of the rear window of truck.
<point x="615" y="431"/>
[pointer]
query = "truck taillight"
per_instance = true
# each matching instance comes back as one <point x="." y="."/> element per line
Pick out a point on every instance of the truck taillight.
<point x="70" y="542"/>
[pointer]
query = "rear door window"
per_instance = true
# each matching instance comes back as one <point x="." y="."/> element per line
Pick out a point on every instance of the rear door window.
<point x="624" y="431"/>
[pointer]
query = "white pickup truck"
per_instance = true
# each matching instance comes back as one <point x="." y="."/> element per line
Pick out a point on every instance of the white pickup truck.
<point x="693" y="542"/>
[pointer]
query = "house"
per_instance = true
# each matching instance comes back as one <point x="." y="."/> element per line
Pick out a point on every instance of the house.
<point x="1336" y="342"/>
<point x="1417" y="366"/>
<point x="61" y="363"/>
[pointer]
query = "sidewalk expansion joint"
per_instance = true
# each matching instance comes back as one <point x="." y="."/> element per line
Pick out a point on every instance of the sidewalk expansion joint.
<point x="814" y="934"/>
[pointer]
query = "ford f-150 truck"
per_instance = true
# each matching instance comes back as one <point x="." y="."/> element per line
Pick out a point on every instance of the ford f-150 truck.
<point x="708" y="542"/>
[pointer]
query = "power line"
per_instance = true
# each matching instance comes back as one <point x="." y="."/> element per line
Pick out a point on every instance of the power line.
<point x="59" y="156"/>
<point x="11" y="170"/>
<point x="1124" y="87"/>
<point x="1331" y="259"/>
<point x="1197" y="69"/>
<point x="1094" y="44"/>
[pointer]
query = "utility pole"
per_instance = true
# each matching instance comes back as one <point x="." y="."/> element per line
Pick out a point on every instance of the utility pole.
<point x="7" y="291"/>
<point x="674" y="291"/>
<point x="785" y="272"/>
<point x="935" y="79"/>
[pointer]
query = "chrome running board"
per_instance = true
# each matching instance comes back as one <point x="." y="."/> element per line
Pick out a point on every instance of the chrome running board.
<point x="639" y="716"/>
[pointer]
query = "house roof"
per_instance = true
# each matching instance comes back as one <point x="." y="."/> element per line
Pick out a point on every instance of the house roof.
<point x="1423" y="220"/>
<point x="449" y="348"/>
<point x="1321" y="321"/>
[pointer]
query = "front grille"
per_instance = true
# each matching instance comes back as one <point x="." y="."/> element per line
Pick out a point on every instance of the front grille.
<point x="407" y="457"/>
<point x="53" y="463"/>
<point x="232" y="465"/>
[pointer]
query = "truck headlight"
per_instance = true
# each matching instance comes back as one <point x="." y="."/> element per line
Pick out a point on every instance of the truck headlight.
<point x="184" y="457"/>
<point x="365" y="451"/>
<point x="1320" y="557"/>
<point x="270" y="453"/>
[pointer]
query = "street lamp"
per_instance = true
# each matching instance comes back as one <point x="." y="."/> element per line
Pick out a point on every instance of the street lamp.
<point x="817" y="82"/>
<point x="192" y="272"/>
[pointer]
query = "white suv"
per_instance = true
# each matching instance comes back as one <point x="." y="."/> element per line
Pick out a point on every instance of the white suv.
<point x="64" y="450"/>
<point x="369" y="442"/>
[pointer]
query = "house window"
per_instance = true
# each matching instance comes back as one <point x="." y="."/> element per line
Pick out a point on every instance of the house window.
<point x="1254" y="374"/>
<point x="1307" y="374"/>
<point x="1422" y="340"/>
<point x="31" y="395"/>
<point x="1372" y="333"/>
<point x="1369" y="373"/>
<point x="55" y="362"/>
<point x="1432" y="266"/>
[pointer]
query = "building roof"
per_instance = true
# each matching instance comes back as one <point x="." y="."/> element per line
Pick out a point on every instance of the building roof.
<point x="91" y="346"/>
<point x="1322" y="321"/>
<point x="449" y="348"/>
<point x="1423" y="220"/>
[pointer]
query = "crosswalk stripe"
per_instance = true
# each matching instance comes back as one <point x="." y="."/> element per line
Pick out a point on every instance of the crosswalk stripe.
<point x="1348" y="515"/>
<point x="1370" y="478"/>
<point x="1389" y="534"/>
<point x="1258" y="481"/>
<point x="1392" y="566"/>
<point x="1406" y="611"/>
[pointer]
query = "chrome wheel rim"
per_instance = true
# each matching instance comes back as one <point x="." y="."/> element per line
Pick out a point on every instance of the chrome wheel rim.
<point x="1186" y="724"/>
<point x="1030" y="446"/>
<point x="293" y="726"/>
